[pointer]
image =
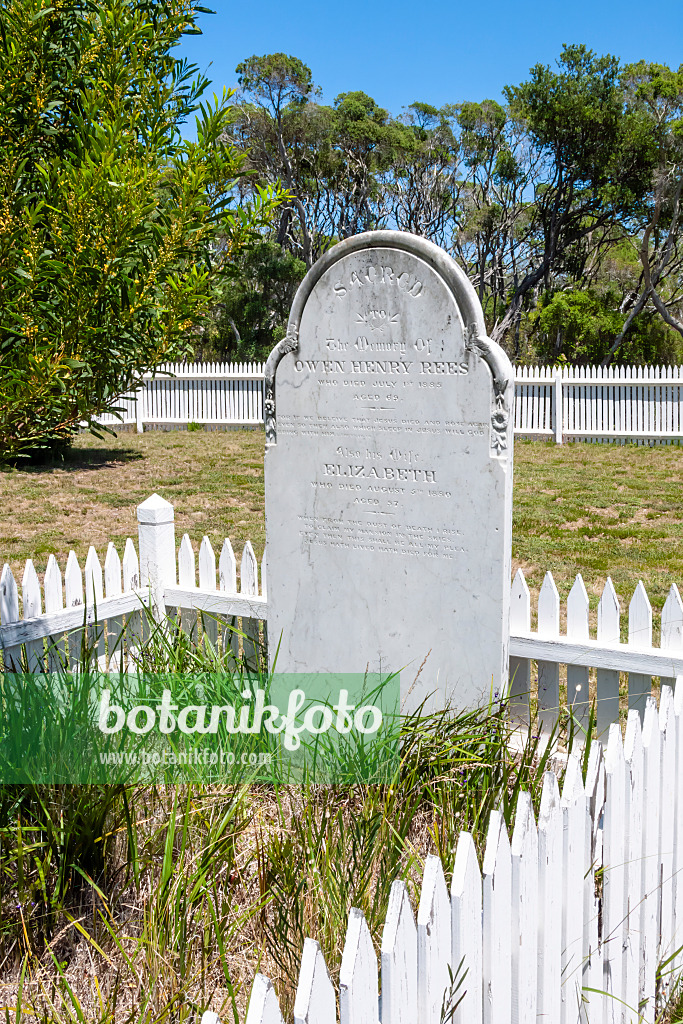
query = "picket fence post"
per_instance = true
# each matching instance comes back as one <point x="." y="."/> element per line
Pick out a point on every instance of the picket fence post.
<point x="139" y="412"/>
<point x="399" y="959"/>
<point x="263" y="1005"/>
<point x="156" y="534"/>
<point x="315" y="1001"/>
<point x="557" y="405"/>
<point x="358" y="974"/>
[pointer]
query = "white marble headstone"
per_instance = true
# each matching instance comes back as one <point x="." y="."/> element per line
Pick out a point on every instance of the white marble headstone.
<point x="389" y="475"/>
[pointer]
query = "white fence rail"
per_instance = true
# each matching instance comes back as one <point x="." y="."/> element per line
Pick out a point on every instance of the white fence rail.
<point x="180" y="582"/>
<point x="565" y="921"/>
<point x="622" y="403"/>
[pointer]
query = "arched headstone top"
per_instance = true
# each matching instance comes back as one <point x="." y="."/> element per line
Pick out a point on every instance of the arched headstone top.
<point x="456" y="282"/>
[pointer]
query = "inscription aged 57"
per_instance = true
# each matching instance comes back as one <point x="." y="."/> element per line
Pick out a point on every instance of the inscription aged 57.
<point x="388" y="475"/>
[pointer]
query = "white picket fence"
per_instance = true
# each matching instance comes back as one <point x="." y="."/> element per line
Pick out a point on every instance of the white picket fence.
<point x="620" y="403"/>
<point x="131" y="594"/>
<point x="565" y="921"/>
<point x="579" y="652"/>
<point x="617" y="403"/>
<point x="179" y="583"/>
<point x="214" y="394"/>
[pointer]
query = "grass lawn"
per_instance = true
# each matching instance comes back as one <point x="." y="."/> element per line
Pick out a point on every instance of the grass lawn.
<point x="213" y="479"/>
<point x="601" y="510"/>
<point x="596" y="509"/>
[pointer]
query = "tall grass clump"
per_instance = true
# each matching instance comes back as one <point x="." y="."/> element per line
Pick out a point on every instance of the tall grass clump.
<point x="151" y="903"/>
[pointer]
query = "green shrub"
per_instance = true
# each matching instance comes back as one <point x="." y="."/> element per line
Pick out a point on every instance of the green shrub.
<point x="114" y="231"/>
<point x="580" y="326"/>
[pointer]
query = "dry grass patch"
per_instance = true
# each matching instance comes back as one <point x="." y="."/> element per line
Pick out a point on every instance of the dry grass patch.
<point x="213" y="479"/>
<point x="595" y="509"/>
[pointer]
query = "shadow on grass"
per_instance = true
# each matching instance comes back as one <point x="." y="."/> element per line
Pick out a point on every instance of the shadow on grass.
<point x="74" y="459"/>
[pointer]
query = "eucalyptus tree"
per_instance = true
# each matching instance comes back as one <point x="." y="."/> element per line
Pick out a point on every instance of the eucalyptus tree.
<point x="330" y="159"/>
<point x="424" y="185"/>
<point x="654" y="93"/>
<point x="571" y="183"/>
<point x="500" y="170"/>
<point x="277" y="126"/>
<point x="594" y="166"/>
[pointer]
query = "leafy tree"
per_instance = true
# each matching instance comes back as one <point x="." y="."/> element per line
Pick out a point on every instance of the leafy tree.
<point x="578" y="327"/>
<point x="114" y="232"/>
<point x="571" y="185"/>
<point x="495" y="231"/>
<point x="269" y="125"/>
<point x="366" y="143"/>
<point x="596" y="160"/>
<point x="333" y="161"/>
<point x="655" y="93"/>
<point x="427" y="182"/>
<point x="253" y="313"/>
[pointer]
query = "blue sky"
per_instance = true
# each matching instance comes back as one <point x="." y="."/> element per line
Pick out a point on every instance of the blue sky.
<point x="429" y="50"/>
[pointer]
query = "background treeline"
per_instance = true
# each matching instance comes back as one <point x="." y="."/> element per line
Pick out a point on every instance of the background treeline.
<point x="562" y="202"/>
<point x="124" y="243"/>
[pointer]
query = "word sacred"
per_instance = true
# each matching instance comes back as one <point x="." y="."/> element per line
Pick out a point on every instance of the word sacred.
<point x="426" y="476"/>
<point x="439" y="366"/>
<point x="379" y="275"/>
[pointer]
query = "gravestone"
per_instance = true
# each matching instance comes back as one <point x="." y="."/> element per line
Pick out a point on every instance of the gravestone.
<point x="389" y="475"/>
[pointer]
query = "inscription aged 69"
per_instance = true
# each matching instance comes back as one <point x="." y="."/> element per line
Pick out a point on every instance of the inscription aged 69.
<point x="389" y="474"/>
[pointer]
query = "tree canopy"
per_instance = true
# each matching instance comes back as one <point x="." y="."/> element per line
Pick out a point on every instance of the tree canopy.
<point x="569" y="184"/>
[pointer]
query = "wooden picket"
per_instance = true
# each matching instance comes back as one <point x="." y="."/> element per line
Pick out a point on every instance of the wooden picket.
<point x="608" y="678"/>
<point x="496" y="934"/>
<point x="548" y="671"/>
<point x="639" y="404"/>
<point x="650" y="884"/>
<point x="539" y="937"/>
<point x="358" y="975"/>
<point x="466" y="936"/>
<point x="548" y="1006"/>
<point x="524" y="905"/>
<point x="574" y="867"/>
<point x="614" y="916"/>
<point x="520" y="668"/>
<point x="399" y="959"/>
<point x="633" y="754"/>
<point x="578" y="695"/>
<point x="433" y="944"/>
<point x="315" y="1001"/>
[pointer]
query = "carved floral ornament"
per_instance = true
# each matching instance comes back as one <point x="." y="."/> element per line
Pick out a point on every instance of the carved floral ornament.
<point x="476" y="341"/>
<point x="500" y="408"/>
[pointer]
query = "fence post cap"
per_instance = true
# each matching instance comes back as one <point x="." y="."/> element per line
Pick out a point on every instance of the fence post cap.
<point x="209" y="1017"/>
<point x="155" y="510"/>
